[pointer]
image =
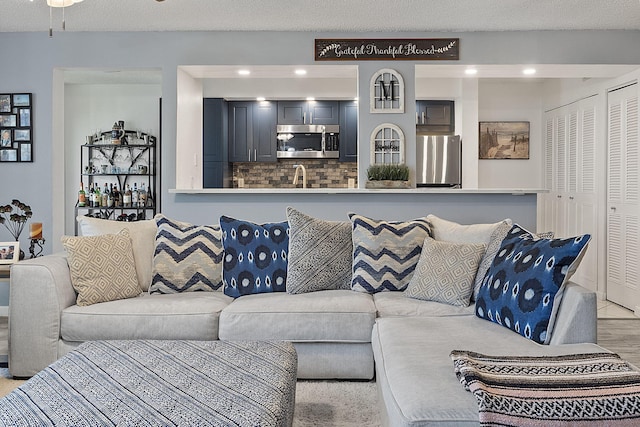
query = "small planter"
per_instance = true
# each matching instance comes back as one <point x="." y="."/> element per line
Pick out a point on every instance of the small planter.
<point x="385" y="183"/>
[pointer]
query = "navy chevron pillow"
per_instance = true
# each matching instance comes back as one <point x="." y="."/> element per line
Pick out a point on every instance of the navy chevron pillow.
<point x="385" y="253"/>
<point x="186" y="258"/>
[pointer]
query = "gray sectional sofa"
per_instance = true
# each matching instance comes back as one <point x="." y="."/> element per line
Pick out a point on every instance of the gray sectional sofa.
<point x="338" y="334"/>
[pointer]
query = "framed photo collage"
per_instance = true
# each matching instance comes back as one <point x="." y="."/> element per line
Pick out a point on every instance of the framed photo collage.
<point x="16" y="127"/>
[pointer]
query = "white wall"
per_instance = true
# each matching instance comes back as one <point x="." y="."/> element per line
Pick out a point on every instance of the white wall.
<point x="512" y="100"/>
<point x="189" y="131"/>
<point x="290" y="88"/>
<point x="88" y="108"/>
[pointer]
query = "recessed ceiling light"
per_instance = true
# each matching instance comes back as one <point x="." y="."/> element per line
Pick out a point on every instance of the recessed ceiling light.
<point x="261" y="99"/>
<point x="244" y="72"/>
<point x="300" y="72"/>
<point x="310" y="98"/>
<point x="529" y="71"/>
<point x="471" y="71"/>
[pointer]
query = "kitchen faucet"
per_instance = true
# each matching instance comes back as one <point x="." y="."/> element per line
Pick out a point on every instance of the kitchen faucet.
<point x="304" y="175"/>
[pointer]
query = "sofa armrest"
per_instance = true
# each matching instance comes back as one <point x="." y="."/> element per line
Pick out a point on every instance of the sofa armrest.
<point x="577" y="319"/>
<point x="40" y="289"/>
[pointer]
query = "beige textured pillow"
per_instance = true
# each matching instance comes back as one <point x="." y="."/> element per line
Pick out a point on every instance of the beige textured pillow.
<point x="445" y="272"/>
<point x="143" y="238"/>
<point x="102" y="267"/>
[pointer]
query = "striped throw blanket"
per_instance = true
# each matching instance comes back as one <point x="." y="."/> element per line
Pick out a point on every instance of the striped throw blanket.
<point x="598" y="389"/>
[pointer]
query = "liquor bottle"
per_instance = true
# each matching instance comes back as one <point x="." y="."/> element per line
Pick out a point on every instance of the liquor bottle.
<point x="127" y="197"/>
<point x="92" y="197"/>
<point x="134" y="195"/>
<point x="98" y="196"/>
<point x="82" y="196"/>
<point x="142" y="197"/>
<point x="116" y="197"/>
<point x="105" y="196"/>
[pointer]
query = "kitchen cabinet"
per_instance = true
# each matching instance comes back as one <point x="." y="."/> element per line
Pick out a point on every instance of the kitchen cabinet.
<point x="308" y="113"/>
<point x="215" y="165"/>
<point x="252" y="131"/>
<point x="348" y="131"/>
<point x="435" y="117"/>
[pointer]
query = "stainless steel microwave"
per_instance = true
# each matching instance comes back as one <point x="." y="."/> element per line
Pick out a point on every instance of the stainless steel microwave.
<point x="308" y="141"/>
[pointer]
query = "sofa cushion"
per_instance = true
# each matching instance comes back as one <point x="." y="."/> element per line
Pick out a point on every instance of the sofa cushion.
<point x="322" y="316"/>
<point x="320" y="253"/>
<point x="385" y="253"/>
<point x="396" y="304"/>
<point x="255" y="256"/>
<point x="523" y="288"/>
<point x="143" y="234"/>
<point x="420" y="388"/>
<point x="102" y="267"/>
<point x="445" y="272"/>
<point x="187" y="315"/>
<point x="187" y="257"/>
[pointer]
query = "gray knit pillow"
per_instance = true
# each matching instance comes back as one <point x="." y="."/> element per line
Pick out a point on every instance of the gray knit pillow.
<point x="319" y="254"/>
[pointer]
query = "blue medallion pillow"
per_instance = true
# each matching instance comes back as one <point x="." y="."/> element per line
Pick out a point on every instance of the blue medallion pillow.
<point x="523" y="287"/>
<point x="255" y="256"/>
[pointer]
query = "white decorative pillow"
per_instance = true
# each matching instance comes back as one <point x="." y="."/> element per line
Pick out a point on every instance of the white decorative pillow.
<point x="450" y="231"/>
<point x="445" y="272"/>
<point x="319" y="253"/>
<point x="102" y="267"/>
<point x="143" y="235"/>
<point x="187" y="257"/>
<point x="385" y="253"/>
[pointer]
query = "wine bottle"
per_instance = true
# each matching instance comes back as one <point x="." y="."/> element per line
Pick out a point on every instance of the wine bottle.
<point x="127" y="197"/>
<point x="82" y="196"/>
<point x="110" y="196"/>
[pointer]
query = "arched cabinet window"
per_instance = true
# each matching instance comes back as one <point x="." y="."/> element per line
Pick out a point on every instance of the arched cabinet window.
<point x="386" y="92"/>
<point x="387" y="145"/>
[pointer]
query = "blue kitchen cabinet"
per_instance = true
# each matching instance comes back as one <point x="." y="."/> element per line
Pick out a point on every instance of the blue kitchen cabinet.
<point x="308" y="113"/>
<point x="348" y="131"/>
<point x="215" y="166"/>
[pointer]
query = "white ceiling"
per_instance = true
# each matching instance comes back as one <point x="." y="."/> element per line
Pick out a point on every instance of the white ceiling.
<point x="324" y="15"/>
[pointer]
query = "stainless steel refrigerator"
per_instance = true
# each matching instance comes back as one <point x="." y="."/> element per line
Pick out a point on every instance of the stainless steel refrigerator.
<point x="438" y="161"/>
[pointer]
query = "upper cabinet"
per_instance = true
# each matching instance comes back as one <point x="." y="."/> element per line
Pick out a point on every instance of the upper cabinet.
<point x="252" y="131"/>
<point x="348" y="131"/>
<point x="308" y="113"/>
<point x="435" y="117"/>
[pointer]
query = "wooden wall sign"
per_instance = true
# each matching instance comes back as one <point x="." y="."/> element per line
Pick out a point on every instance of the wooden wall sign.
<point x="386" y="49"/>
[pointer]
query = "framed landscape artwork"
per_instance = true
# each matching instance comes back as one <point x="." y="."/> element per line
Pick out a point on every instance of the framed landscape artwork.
<point x="503" y="140"/>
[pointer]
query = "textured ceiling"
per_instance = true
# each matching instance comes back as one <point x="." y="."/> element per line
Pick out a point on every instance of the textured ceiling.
<point x="324" y="15"/>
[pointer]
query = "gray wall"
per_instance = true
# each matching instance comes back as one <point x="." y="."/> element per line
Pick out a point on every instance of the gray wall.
<point x="30" y="58"/>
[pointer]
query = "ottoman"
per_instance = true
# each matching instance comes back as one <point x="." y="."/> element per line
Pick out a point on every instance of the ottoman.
<point x="160" y="383"/>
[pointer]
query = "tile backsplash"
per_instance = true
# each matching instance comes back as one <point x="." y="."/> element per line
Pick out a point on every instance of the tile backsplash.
<point x="321" y="173"/>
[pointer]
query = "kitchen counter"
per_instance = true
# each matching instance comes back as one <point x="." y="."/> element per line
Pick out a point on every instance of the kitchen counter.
<point x="512" y="191"/>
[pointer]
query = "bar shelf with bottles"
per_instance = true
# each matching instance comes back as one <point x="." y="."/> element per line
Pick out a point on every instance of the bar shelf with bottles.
<point x="118" y="176"/>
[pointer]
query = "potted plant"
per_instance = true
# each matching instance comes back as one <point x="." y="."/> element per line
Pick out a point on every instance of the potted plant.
<point x="388" y="176"/>
<point x="15" y="221"/>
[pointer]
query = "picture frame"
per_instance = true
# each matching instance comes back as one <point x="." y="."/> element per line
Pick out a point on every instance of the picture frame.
<point x="24" y="117"/>
<point x="22" y="134"/>
<point x="21" y="99"/>
<point x="6" y="139"/>
<point x="8" y="120"/>
<point x="8" y="154"/>
<point x="5" y="103"/>
<point x="503" y="140"/>
<point x="26" y="152"/>
<point x="9" y="252"/>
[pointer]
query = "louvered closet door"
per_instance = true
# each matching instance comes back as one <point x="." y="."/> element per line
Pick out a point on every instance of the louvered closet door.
<point x="623" y="203"/>
<point x="582" y="204"/>
<point x="545" y="200"/>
